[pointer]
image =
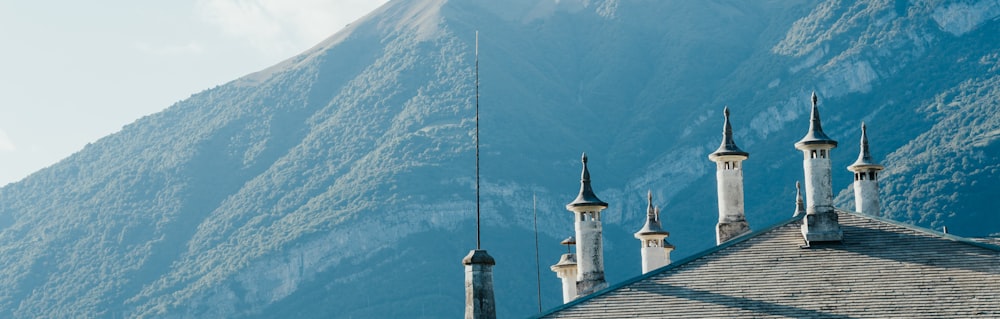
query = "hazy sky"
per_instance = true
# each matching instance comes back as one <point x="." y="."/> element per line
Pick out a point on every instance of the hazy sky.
<point x="72" y="72"/>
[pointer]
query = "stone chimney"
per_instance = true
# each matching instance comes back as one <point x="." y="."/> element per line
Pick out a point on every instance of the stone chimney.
<point x="565" y="269"/>
<point x="653" y="239"/>
<point x="729" y="178"/>
<point x="865" y="178"/>
<point x="589" y="245"/>
<point x="821" y="222"/>
<point x="479" y="302"/>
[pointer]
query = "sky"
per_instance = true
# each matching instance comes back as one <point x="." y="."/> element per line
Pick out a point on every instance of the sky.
<point x="72" y="72"/>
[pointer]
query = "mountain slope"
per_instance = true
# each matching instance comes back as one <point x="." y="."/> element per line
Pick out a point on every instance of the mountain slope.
<point x="340" y="183"/>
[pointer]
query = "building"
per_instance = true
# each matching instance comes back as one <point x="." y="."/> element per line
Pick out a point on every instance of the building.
<point x="882" y="268"/>
<point x="822" y="262"/>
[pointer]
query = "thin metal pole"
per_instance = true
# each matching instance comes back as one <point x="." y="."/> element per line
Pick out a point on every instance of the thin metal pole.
<point x="538" y="273"/>
<point x="477" y="141"/>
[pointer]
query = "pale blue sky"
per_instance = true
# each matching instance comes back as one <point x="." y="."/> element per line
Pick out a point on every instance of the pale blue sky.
<point x="72" y="72"/>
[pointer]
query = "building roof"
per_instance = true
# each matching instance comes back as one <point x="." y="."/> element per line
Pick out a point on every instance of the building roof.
<point x="586" y="196"/>
<point x="882" y="268"/>
<point x="815" y="136"/>
<point x="728" y="147"/>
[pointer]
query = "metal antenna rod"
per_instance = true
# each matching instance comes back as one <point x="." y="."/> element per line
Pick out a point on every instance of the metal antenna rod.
<point x="538" y="273"/>
<point x="477" y="141"/>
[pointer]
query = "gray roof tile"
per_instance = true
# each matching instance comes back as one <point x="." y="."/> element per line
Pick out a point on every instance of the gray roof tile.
<point x="881" y="269"/>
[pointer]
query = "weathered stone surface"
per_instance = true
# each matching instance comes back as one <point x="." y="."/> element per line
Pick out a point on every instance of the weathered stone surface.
<point x="479" y="298"/>
<point x="726" y="231"/>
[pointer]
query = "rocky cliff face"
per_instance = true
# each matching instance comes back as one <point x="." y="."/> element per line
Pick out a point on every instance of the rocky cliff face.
<point x="340" y="182"/>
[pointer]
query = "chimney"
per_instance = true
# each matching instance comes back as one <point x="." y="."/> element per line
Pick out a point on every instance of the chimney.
<point x="865" y="179"/>
<point x="479" y="302"/>
<point x="653" y="239"/>
<point x="821" y="222"/>
<point x="729" y="180"/>
<point x="565" y="269"/>
<point x="586" y="210"/>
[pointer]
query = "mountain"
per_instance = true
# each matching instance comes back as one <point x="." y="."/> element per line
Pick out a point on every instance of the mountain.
<point x="341" y="182"/>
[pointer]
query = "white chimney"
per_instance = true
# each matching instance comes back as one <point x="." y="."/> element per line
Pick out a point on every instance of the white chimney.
<point x="479" y="301"/>
<point x="653" y="240"/>
<point x="821" y="222"/>
<point x="865" y="178"/>
<point x="729" y="179"/>
<point x="565" y="269"/>
<point x="589" y="246"/>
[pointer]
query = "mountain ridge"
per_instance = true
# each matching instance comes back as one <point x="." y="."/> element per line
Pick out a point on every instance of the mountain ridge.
<point x="321" y="185"/>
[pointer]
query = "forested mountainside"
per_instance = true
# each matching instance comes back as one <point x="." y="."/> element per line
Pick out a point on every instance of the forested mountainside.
<point x="340" y="182"/>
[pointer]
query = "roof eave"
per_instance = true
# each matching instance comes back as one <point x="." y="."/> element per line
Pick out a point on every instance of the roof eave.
<point x="864" y="166"/>
<point x="728" y="152"/>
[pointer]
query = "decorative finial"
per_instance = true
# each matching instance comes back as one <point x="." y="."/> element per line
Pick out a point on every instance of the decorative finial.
<point x="865" y="153"/>
<point x="656" y="212"/>
<point x="800" y="207"/>
<point x="584" y="157"/>
<point x="650" y="211"/>
<point x="814" y="114"/>
<point x="727" y="130"/>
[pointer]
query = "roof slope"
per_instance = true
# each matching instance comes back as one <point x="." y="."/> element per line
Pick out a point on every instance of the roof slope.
<point x="882" y="269"/>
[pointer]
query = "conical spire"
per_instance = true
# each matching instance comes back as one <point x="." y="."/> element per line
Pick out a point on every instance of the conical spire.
<point x="815" y="134"/>
<point x="650" y="210"/>
<point x="864" y="156"/>
<point x="652" y="226"/>
<point x="728" y="146"/>
<point x="800" y="206"/>
<point x="587" y="196"/>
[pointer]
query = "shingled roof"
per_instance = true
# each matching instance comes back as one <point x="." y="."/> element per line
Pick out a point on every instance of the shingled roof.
<point x="881" y="269"/>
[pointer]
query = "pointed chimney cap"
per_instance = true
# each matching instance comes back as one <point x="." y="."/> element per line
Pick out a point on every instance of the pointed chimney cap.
<point x="815" y="136"/>
<point x="728" y="146"/>
<point x="478" y="257"/>
<point x="652" y="226"/>
<point x="864" y="162"/>
<point x="586" y="196"/>
<point x="568" y="241"/>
